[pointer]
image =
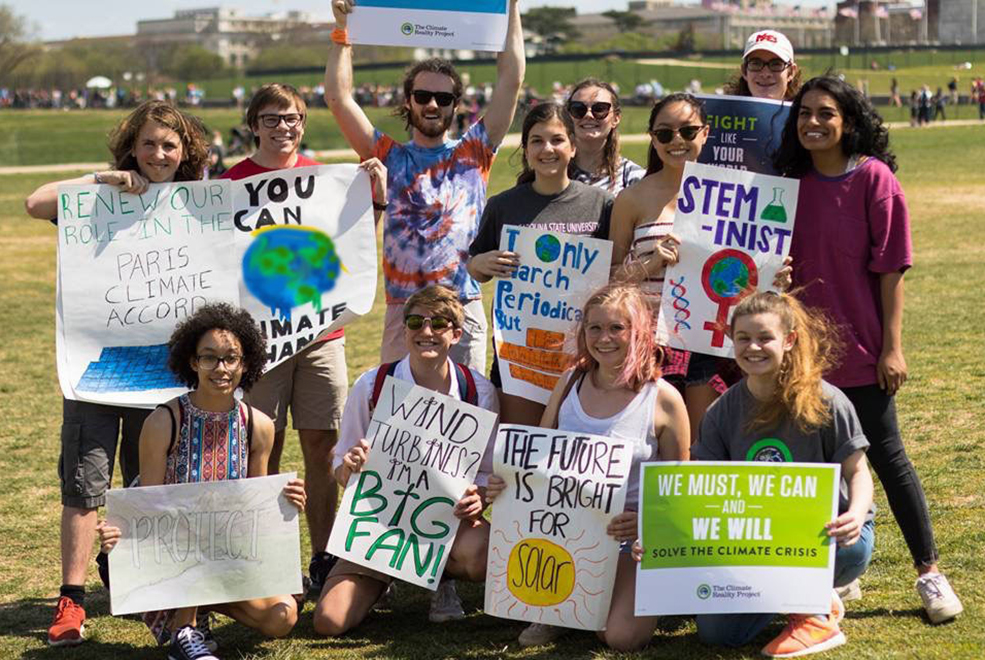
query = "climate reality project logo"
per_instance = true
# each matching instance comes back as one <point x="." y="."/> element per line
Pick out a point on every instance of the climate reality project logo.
<point x="407" y="29"/>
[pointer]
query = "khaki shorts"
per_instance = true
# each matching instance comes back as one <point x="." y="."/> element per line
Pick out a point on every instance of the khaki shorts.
<point x="346" y="568"/>
<point x="313" y="384"/>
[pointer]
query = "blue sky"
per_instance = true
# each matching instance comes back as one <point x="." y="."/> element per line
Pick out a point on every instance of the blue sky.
<point x="63" y="19"/>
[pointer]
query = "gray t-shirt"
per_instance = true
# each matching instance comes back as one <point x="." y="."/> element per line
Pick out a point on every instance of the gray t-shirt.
<point x="578" y="209"/>
<point x="723" y="436"/>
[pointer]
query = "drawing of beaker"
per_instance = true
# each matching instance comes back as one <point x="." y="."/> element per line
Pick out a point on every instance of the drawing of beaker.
<point x="774" y="210"/>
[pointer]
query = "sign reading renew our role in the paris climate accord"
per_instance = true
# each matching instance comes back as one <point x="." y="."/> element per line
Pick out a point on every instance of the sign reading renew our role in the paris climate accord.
<point x="735" y="229"/>
<point x="397" y="513"/>
<point x="745" y="131"/>
<point x="540" y="304"/>
<point x="550" y="560"/>
<point x="468" y="24"/>
<point x="721" y="537"/>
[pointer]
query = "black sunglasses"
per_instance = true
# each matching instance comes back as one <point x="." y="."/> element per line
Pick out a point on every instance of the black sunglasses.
<point x="665" y="135"/>
<point x="578" y="109"/>
<point x="438" y="323"/>
<point x="424" y="96"/>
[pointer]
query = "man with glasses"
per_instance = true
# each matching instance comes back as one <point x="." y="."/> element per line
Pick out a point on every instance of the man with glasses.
<point x="437" y="186"/>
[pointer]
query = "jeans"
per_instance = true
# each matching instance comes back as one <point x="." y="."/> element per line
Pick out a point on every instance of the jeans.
<point x="877" y="413"/>
<point x="740" y="629"/>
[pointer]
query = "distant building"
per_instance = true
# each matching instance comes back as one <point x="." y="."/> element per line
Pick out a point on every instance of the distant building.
<point x="959" y="21"/>
<point x="885" y="22"/>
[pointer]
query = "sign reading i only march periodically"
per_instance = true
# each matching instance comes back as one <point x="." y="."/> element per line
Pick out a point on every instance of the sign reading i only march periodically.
<point x="722" y="537"/>
<point x="459" y="24"/>
<point x="745" y="132"/>
<point x="536" y="308"/>
<point x="550" y="560"/>
<point x="296" y="248"/>
<point x="735" y="229"/>
<point x="397" y="513"/>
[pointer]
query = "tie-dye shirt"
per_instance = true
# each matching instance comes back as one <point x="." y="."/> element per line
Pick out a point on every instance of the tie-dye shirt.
<point x="436" y="199"/>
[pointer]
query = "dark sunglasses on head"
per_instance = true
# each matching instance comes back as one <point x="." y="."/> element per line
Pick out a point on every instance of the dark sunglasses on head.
<point x="665" y="135"/>
<point x="424" y="96"/>
<point x="273" y="121"/>
<point x="600" y="109"/>
<point x="438" y="323"/>
<point x="776" y="65"/>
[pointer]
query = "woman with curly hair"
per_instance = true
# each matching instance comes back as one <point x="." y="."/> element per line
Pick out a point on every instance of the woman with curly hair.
<point x="851" y="249"/>
<point x="156" y="143"/>
<point x="768" y="70"/>
<point x="209" y="434"/>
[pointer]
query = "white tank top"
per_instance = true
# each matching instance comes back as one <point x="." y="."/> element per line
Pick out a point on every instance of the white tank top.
<point x="634" y="423"/>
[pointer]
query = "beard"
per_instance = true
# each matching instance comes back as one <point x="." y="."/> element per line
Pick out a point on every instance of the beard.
<point x="429" y="128"/>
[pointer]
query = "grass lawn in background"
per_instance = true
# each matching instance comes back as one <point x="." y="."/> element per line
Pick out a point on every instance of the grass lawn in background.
<point x="941" y="414"/>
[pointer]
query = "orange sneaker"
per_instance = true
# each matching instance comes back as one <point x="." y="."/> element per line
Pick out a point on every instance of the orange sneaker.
<point x="68" y="627"/>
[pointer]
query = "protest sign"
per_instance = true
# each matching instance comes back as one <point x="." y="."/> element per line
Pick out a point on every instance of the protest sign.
<point x="744" y="132"/>
<point x="460" y="24"/>
<point x="550" y="560"/>
<point x="735" y="229"/>
<point x="202" y="543"/>
<point x="540" y="304"/>
<point x="397" y="513"/>
<point x="296" y="248"/>
<point x="722" y="537"/>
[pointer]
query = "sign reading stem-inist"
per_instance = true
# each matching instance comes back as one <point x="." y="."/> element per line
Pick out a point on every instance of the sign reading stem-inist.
<point x="296" y="248"/>
<point x="724" y="537"/>
<point x="550" y="560"/>
<point x="735" y="229"/>
<point x="466" y="24"/>
<point x="536" y="308"/>
<point x="184" y="545"/>
<point x="397" y="513"/>
<point x="744" y="132"/>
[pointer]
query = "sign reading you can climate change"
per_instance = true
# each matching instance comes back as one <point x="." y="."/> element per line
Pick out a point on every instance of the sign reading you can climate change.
<point x="540" y="304"/>
<point x="397" y="514"/>
<point x="550" y="560"/>
<point x="735" y="229"/>
<point x="745" y="131"/>
<point x="722" y="537"/>
<point x="468" y="24"/>
<point x="296" y="248"/>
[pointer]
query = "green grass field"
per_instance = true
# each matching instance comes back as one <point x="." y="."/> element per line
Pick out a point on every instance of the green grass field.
<point x="941" y="411"/>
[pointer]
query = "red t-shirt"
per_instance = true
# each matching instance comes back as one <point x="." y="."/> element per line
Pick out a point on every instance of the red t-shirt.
<point x="249" y="167"/>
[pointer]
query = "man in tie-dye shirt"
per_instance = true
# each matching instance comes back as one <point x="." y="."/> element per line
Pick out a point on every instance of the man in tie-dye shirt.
<point x="437" y="186"/>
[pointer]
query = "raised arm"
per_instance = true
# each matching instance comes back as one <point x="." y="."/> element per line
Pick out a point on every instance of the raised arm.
<point x="510" y="67"/>
<point x="353" y="122"/>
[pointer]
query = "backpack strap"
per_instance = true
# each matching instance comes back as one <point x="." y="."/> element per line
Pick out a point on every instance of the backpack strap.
<point x="467" y="391"/>
<point x="575" y="378"/>
<point x="249" y="426"/>
<point x="386" y="369"/>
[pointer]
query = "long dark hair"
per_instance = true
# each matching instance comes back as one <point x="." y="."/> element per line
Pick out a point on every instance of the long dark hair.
<point x="864" y="133"/>
<point x="540" y="113"/>
<point x="610" y="152"/>
<point x="653" y="162"/>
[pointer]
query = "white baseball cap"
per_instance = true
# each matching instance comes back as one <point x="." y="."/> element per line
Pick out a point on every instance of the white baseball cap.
<point x="772" y="41"/>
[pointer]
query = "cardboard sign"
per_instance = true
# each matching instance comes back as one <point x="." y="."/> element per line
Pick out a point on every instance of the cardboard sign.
<point x="724" y="537"/>
<point x="550" y="560"/>
<point x="744" y="132"/>
<point x="397" y="513"/>
<point x="472" y="25"/>
<point x="203" y="543"/>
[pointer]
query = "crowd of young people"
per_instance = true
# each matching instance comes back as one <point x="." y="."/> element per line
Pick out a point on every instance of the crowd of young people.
<point x="441" y="240"/>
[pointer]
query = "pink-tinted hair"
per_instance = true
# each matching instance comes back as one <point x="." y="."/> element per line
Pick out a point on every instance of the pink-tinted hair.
<point x="643" y="357"/>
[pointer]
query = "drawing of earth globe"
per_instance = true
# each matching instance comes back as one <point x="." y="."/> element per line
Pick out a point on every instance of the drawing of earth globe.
<point x="548" y="248"/>
<point x="286" y="267"/>
<point x="729" y="277"/>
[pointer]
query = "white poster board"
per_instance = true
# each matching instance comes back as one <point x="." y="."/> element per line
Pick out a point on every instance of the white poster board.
<point x="457" y="24"/>
<point x="296" y="248"/>
<point x="539" y="306"/>
<point x="735" y="229"/>
<point x="203" y="543"/>
<point x="397" y="513"/>
<point x="550" y="560"/>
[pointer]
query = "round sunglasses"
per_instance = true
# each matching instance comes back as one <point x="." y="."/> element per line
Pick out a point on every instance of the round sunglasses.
<point x="438" y="323"/>
<point x="665" y="135"/>
<point x="424" y="96"/>
<point x="599" y="109"/>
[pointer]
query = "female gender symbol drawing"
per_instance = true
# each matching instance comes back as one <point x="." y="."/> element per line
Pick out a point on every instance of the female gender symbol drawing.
<point x="727" y="277"/>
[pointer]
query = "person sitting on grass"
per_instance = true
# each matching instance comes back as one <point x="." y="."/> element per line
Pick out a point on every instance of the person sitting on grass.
<point x="433" y="320"/>
<point x="209" y="434"/>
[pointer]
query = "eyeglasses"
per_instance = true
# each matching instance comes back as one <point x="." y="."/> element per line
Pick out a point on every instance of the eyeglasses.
<point x="578" y="109"/>
<point x="424" y="96"/>
<point x="210" y="362"/>
<point x="665" y="135"/>
<point x="273" y="121"/>
<point x="438" y="323"/>
<point x="776" y="65"/>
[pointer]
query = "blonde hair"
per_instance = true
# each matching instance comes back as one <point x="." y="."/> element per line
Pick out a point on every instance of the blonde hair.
<point x="438" y="300"/>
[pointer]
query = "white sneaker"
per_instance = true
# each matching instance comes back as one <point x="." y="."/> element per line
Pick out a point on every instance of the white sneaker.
<point x="537" y="634"/>
<point x="849" y="592"/>
<point x="445" y="603"/>
<point x="938" y="597"/>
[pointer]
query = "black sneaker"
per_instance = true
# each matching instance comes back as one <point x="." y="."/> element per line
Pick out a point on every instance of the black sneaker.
<point x="205" y="627"/>
<point x="318" y="570"/>
<point x="102" y="566"/>
<point x="189" y="644"/>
